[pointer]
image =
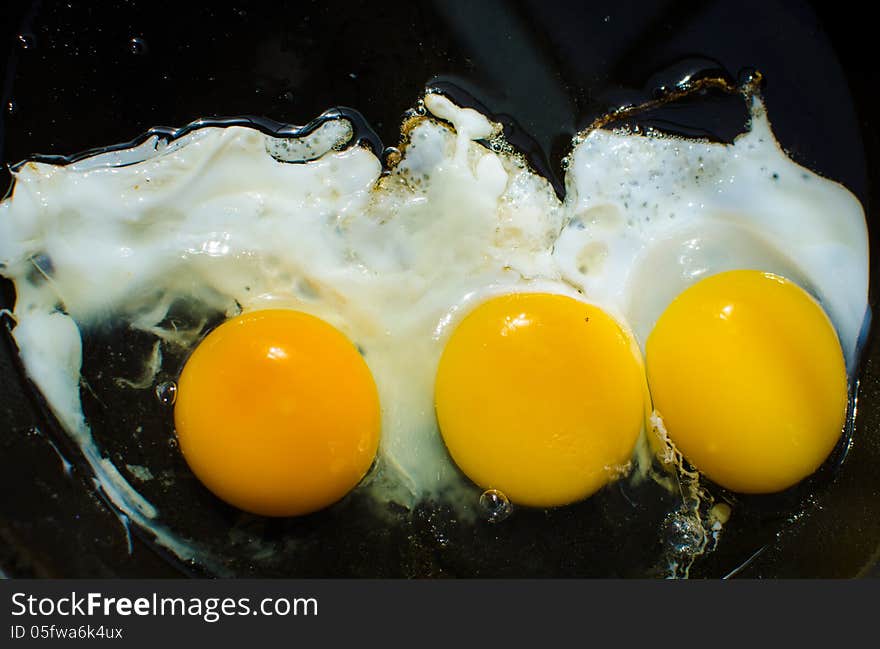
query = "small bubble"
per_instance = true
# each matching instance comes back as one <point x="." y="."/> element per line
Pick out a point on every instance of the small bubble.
<point x="606" y="19"/>
<point x="172" y="442"/>
<point x="287" y="96"/>
<point x="495" y="505"/>
<point x="27" y="41"/>
<point x="684" y="536"/>
<point x="137" y="45"/>
<point x="166" y="393"/>
<point x="391" y="155"/>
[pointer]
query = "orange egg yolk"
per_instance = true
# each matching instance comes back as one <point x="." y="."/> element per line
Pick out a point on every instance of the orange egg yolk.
<point x="747" y="373"/>
<point x="277" y="413"/>
<point x="540" y="396"/>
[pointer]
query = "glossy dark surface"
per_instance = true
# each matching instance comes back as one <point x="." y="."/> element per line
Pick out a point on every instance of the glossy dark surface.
<point x="95" y="75"/>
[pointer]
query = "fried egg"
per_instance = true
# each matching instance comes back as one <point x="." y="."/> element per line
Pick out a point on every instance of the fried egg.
<point x="449" y="321"/>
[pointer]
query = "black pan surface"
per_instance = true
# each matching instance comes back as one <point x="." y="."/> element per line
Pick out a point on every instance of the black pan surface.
<point x="80" y="75"/>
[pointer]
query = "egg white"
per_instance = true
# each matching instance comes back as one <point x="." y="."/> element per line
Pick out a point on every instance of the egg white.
<point x="236" y="219"/>
<point x="652" y="215"/>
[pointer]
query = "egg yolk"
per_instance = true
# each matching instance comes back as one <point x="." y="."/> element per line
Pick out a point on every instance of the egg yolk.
<point x="748" y="375"/>
<point x="277" y="413"/>
<point x="541" y="397"/>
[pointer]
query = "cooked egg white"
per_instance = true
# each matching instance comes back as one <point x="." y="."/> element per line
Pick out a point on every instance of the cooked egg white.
<point x="241" y="221"/>
<point x="650" y="216"/>
<point x="218" y="218"/>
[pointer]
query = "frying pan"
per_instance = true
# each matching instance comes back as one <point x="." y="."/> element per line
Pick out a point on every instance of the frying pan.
<point x="79" y="75"/>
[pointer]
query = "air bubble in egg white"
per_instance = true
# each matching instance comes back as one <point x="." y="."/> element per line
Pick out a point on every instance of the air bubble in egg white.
<point x="683" y="535"/>
<point x="166" y="393"/>
<point x="495" y="506"/>
<point x="137" y="45"/>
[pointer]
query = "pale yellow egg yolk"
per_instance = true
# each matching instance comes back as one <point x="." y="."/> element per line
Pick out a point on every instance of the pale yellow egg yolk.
<point x="748" y="375"/>
<point x="277" y="413"/>
<point x="540" y="396"/>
